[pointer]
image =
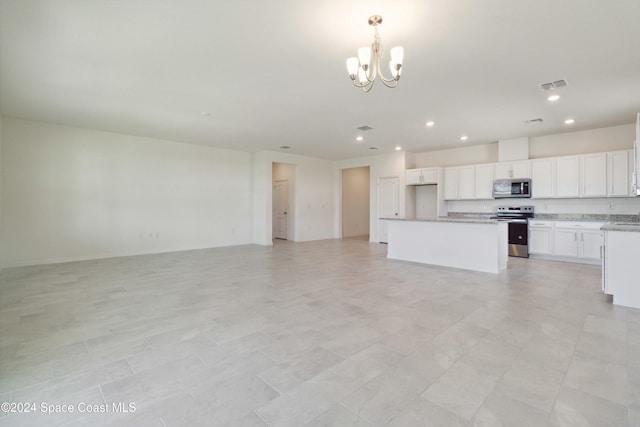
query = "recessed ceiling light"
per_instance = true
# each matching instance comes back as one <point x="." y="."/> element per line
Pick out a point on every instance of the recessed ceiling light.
<point x="569" y="122"/>
<point x="205" y="113"/>
<point x="464" y="138"/>
<point x="398" y="148"/>
<point x="430" y="124"/>
<point x="359" y="138"/>
<point x="553" y="98"/>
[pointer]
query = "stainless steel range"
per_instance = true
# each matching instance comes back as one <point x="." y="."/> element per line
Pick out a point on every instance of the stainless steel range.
<point x="518" y="218"/>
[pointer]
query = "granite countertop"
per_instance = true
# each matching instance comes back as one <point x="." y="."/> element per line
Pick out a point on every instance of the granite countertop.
<point x="613" y="222"/>
<point x="589" y="217"/>
<point x="625" y="226"/>
<point x="467" y="220"/>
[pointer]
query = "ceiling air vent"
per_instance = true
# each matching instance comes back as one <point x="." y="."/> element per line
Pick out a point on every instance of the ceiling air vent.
<point x="536" y="120"/>
<point x="364" y="128"/>
<point x="553" y="85"/>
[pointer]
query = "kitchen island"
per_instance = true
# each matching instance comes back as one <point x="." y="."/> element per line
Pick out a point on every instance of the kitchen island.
<point x="477" y="244"/>
<point x="619" y="276"/>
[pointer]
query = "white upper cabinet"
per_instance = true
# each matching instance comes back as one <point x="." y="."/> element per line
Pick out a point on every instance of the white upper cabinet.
<point x="521" y="169"/>
<point x="586" y="175"/>
<point x="466" y="183"/>
<point x="567" y="177"/>
<point x="619" y="173"/>
<point x="502" y="170"/>
<point x="515" y="169"/>
<point x="413" y="177"/>
<point x="451" y="180"/>
<point x="484" y="181"/>
<point x="593" y="175"/>
<point x="543" y="175"/>
<point x="421" y="176"/>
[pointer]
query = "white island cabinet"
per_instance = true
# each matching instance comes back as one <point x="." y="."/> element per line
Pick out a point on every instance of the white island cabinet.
<point x="620" y="272"/>
<point x="470" y="244"/>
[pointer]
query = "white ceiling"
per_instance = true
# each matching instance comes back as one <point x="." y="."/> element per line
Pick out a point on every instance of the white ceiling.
<point x="273" y="73"/>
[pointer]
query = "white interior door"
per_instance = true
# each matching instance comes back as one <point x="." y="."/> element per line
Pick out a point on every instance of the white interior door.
<point x="280" y="209"/>
<point x="388" y="203"/>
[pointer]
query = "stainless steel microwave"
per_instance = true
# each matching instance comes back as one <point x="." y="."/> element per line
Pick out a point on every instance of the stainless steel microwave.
<point x="506" y="188"/>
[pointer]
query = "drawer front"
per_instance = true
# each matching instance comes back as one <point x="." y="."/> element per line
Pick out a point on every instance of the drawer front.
<point x="540" y="224"/>
<point x="579" y="225"/>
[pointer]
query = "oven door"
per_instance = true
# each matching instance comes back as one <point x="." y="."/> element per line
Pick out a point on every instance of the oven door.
<point x="519" y="238"/>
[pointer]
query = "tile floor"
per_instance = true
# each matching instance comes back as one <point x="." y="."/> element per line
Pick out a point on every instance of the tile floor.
<point x="326" y="333"/>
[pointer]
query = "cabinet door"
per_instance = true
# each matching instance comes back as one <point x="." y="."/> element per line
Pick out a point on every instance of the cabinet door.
<point x="521" y="169"/>
<point x="484" y="181"/>
<point x="451" y="179"/>
<point x="543" y="173"/>
<point x="430" y="175"/>
<point x="590" y="242"/>
<point x="502" y="170"/>
<point x="618" y="173"/>
<point x="413" y="176"/>
<point x="567" y="176"/>
<point x="540" y="240"/>
<point x="466" y="183"/>
<point x="566" y="242"/>
<point x="593" y="175"/>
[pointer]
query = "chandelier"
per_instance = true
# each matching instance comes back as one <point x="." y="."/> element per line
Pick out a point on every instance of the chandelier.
<point x="364" y="69"/>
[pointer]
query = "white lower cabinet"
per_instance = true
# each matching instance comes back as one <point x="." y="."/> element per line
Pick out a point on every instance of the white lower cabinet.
<point x="541" y="237"/>
<point x="581" y="240"/>
<point x="566" y="242"/>
<point x="578" y="241"/>
<point x="591" y="241"/>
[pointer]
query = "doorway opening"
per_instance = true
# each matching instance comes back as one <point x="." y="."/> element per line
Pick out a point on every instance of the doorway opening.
<point x="356" y="210"/>
<point x="283" y="216"/>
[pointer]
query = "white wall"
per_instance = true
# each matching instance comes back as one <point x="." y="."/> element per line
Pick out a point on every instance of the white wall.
<point x="71" y="193"/>
<point x="261" y="196"/>
<point x="589" y="141"/>
<point x="471" y="155"/>
<point x="381" y="166"/>
<point x="355" y="201"/>
<point x="1" y="200"/>
<point x="564" y="144"/>
<point x="314" y="201"/>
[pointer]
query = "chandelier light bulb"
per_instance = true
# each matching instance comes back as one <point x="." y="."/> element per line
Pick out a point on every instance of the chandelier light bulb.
<point x="364" y="54"/>
<point x="352" y="67"/>
<point x="397" y="54"/>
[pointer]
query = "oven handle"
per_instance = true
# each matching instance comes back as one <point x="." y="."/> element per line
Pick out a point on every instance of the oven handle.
<point x="518" y="220"/>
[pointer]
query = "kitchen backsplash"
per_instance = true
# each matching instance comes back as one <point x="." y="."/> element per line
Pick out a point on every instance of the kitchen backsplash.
<point x="601" y="206"/>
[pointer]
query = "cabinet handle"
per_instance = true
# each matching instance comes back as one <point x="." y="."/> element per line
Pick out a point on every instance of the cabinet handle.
<point x="575" y="237"/>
